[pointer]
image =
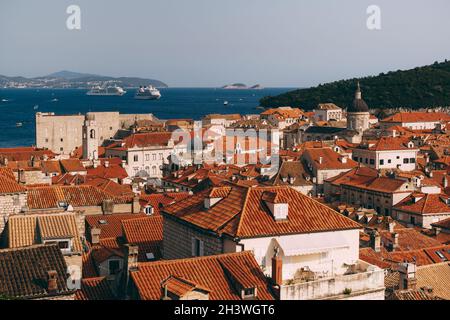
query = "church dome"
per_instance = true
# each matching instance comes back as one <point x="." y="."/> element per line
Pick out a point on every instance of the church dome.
<point x="358" y="105"/>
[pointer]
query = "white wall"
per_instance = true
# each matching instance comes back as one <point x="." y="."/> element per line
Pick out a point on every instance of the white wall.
<point x="330" y="261"/>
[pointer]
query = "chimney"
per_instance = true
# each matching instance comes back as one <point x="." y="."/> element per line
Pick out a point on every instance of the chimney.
<point x="131" y="263"/>
<point x="394" y="241"/>
<point x="407" y="272"/>
<point x="108" y="206"/>
<point x="394" y="133"/>
<point x="390" y="225"/>
<point x="106" y="164"/>
<point x="445" y="182"/>
<point x="132" y="252"/>
<point x="123" y="163"/>
<point x="52" y="283"/>
<point x="136" y="205"/>
<point x="277" y="267"/>
<point x="95" y="235"/>
<point x="375" y="241"/>
<point x="320" y="160"/>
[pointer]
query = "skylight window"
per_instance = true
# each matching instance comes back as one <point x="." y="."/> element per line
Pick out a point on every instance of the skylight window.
<point x="441" y="255"/>
<point x="150" y="256"/>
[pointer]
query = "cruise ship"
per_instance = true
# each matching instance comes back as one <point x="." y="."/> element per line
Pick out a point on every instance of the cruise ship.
<point x="106" y="91"/>
<point x="147" y="93"/>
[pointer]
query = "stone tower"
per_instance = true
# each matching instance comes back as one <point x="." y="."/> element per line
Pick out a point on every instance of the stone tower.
<point x="358" y="116"/>
<point x="90" y="140"/>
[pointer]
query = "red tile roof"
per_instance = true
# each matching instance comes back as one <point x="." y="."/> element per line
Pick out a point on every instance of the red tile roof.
<point x="243" y="213"/>
<point x="330" y="159"/>
<point x="159" y="200"/>
<point x="111" y="187"/>
<point x="25" y="153"/>
<point x="146" y="233"/>
<point x="417" y="117"/>
<point x="95" y="289"/>
<point x="428" y="204"/>
<point x="387" y="144"/>
<point x="110" y="172"/>
<point x="110" y="224"/>
<point x="144" y="140"/>
<point x="216" y="273"/>
<point x="8" y="183"/>
<point x="72" y="165"/>
<point x="77" y="196"/>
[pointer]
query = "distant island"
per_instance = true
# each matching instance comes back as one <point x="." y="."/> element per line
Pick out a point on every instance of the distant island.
<point x="70" y="79"/>
<point x="235" y="86"/>
<point x="421" y="87"/>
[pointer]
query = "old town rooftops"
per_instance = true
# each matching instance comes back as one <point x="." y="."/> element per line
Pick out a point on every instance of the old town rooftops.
<point x="219" y="275"/>
<point x="388" y="144"/>
<point x="244" y="213"/>
<point x="142" y="140"/>
<point x="327" y="159"/>
<point x="423" y="204"/>
<point x="8" y="185"/>
<point x="25" y="272"/>
<point x="412" y="117"/>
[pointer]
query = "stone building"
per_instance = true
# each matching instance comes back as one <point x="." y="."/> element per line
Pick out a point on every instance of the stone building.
<point x="63" y="133"/>
<point x="13" y="196"/>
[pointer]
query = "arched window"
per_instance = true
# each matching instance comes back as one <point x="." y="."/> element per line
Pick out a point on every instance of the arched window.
<point x="92" y="134"/>
<point x="154" y="170"/>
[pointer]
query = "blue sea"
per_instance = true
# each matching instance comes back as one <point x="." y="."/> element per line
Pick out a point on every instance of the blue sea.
<point x="18" y="105"/>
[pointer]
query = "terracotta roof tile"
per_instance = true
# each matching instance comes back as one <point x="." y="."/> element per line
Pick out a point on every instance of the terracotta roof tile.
<point x="24" y="271"/>
<point x="110" y="224"/>
<point x="417" y="117"/>
<point x="95" y="289"/>
<point x="243" y="213"/>
<point x="206" y="272"/>
<point x="146" y="233"/>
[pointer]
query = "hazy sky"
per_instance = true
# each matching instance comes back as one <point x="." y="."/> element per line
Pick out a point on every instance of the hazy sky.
<point x="293" y="43"/>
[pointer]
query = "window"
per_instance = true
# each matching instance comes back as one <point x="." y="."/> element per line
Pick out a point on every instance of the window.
<point x="197" y="247"/>
<point x="110" y="128"/>
<point x="136" y="158"/>
<point x="389" y="161"/>
<point x="381" y="162"/>
<point x="412" y="160"/>
<point x="154" y="156"/>
<point x="149" y="210"/>
<point x="398" y="157"/>
<point x="62" y="139"/>
<point x="160" y="156"/>
<point x="412" y="220"/>
<point x="153" y="170"/>
<point x="405" y="160"/>
<point x="147" y="157"/>
<point x="367" y="161"/>
<point x="355" y="158"/>
<point x="249" y="292"/>
<point x="114" y="266"/>
<point x="372" y="161"/>
<point x="46" y="139"/>
<point x="61" y="149"/>
<point x="63" y="244"/>
<point x="386" y="212"/>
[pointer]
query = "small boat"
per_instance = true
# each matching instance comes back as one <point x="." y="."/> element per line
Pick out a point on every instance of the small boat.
<point x="5" y="100"/>
<point x="54" y="100"/>
<point x="19" y="124"/>
<point x="36" y="107"/>
<point x="225" y="103"/>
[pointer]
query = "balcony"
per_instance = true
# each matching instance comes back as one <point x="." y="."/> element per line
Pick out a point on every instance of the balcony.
<point x="360" y="281"/>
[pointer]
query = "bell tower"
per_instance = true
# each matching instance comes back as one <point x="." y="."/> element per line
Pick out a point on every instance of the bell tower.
<point x="90" y="140"/>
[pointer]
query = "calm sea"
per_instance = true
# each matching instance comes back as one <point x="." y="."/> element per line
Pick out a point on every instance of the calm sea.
<point x="18" y="105"/>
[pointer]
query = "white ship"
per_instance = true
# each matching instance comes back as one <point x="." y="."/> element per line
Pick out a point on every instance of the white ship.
<point x="106" y="91"/>
<point x="147" y="93"/>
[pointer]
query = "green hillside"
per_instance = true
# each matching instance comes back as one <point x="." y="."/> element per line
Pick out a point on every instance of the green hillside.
<point x="426" y="86"/>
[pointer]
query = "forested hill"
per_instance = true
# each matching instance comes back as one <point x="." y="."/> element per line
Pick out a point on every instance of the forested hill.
<point x="420" y="87"/>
